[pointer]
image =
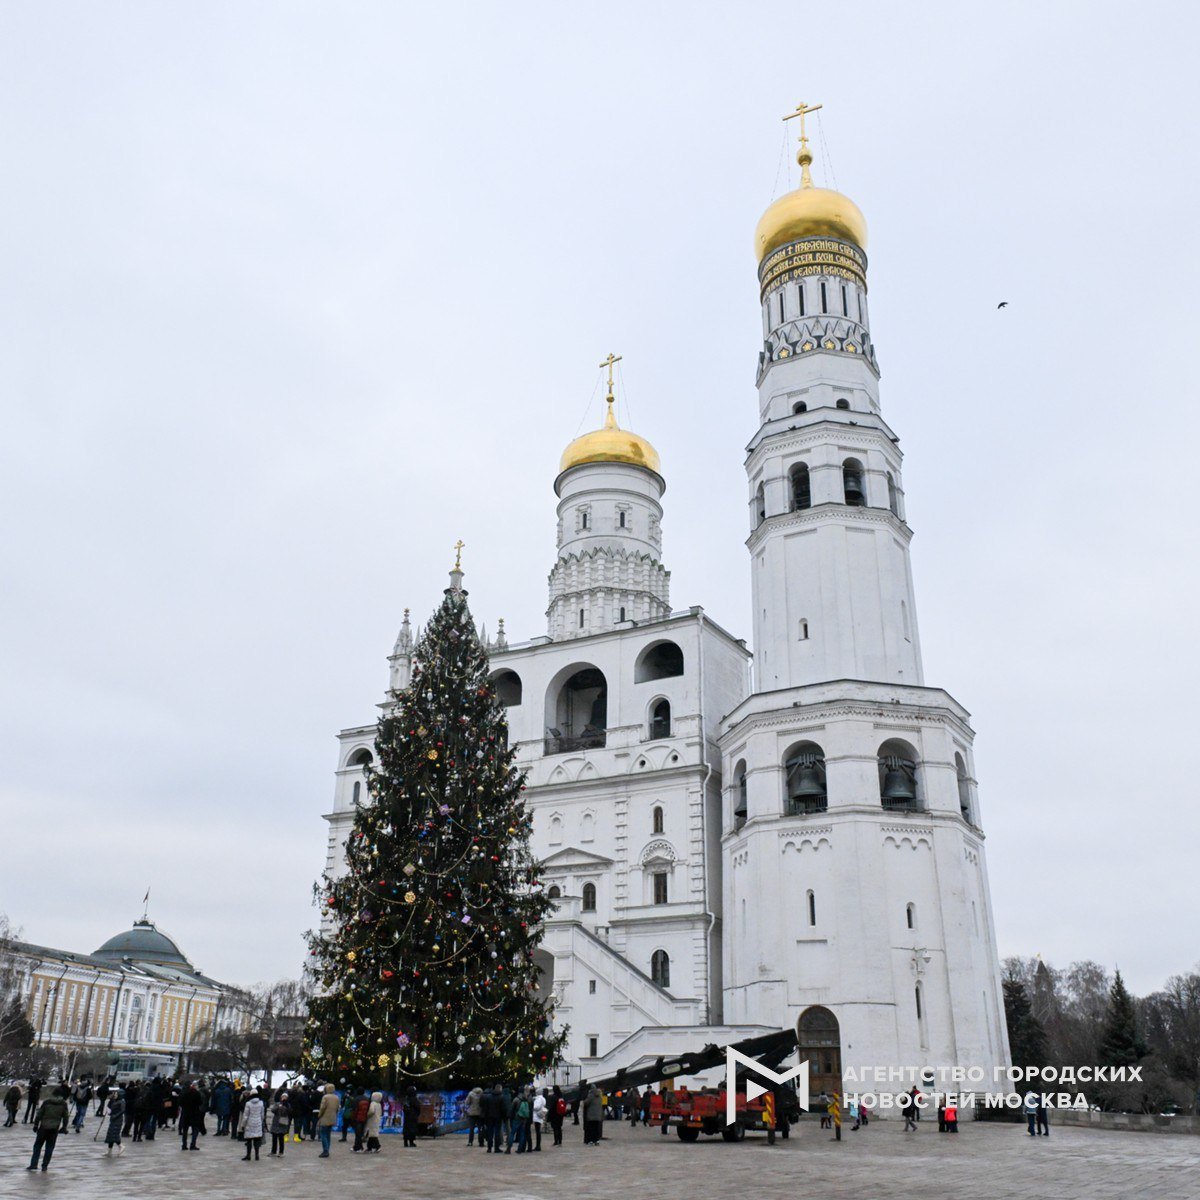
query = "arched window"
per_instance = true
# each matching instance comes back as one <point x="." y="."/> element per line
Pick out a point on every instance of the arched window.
<point x="660" y="720"/>
<point x="663" y="660"/>
<point x="576" y="710"/>
<point x="587" y="828"/>
<point x="893" y="496"/>
<point x="804" y="775"/>
<point x="360" y="758"/>
<point x="656" y="819"/>
<point x="854" y="486"/>
<point x="660" y="968"/>
<point x="964" y="789"/>
<point x="843" y="404"/>
<point x="799" y="407"/>
<point x="899" y="784"/>
<point x="556" y="830"/>
<point x="760" y="505"/>
<point x="812" y="908"/>
<point x="740" y="804"/>
<point x="910" y="916"/>
<point x="507" y="685"/>
<point x="917" y="997"/>
<point x="357" y="792"/>
<point x="555" y="892"/>
<point x="589" y="897"/>
<point x="801" y="487"/>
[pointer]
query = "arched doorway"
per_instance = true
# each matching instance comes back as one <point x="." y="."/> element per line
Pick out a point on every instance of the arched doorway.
<point x="820" y="1041"/>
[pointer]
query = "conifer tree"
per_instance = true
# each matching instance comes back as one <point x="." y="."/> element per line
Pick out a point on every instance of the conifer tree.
<point x="1121" y="1045"/>
<point x="427" y="976"/>
<point x="1026" y="1038"/>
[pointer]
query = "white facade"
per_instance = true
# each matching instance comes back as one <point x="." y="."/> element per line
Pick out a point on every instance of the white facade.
<point x="734" y="851"/>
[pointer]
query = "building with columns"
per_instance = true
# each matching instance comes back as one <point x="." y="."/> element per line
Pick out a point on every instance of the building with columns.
<point x="135" y="994"/>
<point x="744" y="844"/>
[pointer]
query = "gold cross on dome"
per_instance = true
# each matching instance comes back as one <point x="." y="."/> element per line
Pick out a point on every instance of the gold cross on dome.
<point x="802" y="111"/>
<point x="458" y="549"/>
<point x="804" y="157"/>
<point x="609" y="362"/>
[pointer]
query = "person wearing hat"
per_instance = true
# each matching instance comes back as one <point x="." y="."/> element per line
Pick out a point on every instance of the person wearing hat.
<point x="47" y="1123"/>
<point x="327" y="1115"/>
<point x="116" y="1119"/>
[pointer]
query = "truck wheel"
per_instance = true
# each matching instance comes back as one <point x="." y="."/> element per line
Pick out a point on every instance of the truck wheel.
<point x="734" y="1133"/>
<point x="687" y="1133"/>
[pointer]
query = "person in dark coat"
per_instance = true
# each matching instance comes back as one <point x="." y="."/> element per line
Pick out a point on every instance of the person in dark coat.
<point x="593" y="1117"/>
<point x="132" y="1092"/>
<point x="102" y="1091"/>
<point x="12" y="1102"/>
<point x="412" y="1116"/>
<point x="191" y="1115"/>
<point x="47" y="1125"/>
<point x="556" y="1111"/>
<point x="31" y="1099"/>
<point x="116" y="1119"/>
<point x="221" y="1105"/>
<point x="491" y="1107"/>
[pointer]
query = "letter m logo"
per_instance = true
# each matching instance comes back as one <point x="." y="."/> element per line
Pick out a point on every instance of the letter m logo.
<point x="754" y="1090"/>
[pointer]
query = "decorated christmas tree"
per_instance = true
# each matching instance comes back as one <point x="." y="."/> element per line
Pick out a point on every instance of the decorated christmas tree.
<point x="427" y="974"/>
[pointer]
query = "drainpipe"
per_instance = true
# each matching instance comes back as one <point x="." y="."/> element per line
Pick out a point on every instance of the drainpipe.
<point x="116" y="1008"/>
<point x="708" y="771"/>
<point x="54" y="1008"/>
<point x="187" y="1016"/>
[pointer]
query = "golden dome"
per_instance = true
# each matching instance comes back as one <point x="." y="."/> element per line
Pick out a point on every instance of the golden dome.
<point x="810" y="212"/>
<point x="610" y="443"/>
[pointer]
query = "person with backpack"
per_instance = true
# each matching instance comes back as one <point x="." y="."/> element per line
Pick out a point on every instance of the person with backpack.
<point x="362" y="1110"/>
<point x="349" y="1100"/>
<point x="518" y="1129"/>
<point x="280" y="1118"/>
<point x="557" y="1113"/>
<point x="81" y="1097"/>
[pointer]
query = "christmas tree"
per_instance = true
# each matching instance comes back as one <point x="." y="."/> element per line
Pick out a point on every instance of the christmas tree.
<point x="427" y="975"/>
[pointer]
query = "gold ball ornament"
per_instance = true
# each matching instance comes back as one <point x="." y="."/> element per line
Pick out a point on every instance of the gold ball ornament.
<point x="410" y="897"/>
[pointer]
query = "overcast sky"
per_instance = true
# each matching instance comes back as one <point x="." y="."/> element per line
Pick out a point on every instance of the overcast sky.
<point x="294" y="295"/>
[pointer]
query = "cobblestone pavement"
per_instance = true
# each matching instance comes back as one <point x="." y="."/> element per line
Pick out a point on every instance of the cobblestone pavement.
<point x="983" y="1160"/>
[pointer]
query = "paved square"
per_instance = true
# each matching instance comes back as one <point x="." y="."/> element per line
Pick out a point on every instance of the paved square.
<point x="878" y="1163"/>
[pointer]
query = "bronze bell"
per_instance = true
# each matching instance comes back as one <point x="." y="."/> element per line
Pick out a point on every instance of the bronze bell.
<point x="854" y="490"/>
<point x="808" y="783"/>
<point x="898" y="785"/>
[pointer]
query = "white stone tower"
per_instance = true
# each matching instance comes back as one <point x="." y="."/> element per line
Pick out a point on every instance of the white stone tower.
<point x="609" y="532"/>
<point x="850" y="793"/>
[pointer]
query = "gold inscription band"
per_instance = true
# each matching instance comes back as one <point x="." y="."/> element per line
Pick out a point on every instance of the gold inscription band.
<point x="813" y="256"/>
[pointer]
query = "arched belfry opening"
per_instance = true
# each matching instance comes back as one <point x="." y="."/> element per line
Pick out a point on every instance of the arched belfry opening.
<point x="820" y="1041"/>
<point x="577" y="711"/>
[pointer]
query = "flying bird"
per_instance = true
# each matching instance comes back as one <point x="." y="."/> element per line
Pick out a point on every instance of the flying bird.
<point x="1002" y="304"/>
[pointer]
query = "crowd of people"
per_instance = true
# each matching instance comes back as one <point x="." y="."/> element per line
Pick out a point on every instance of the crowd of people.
<point x="499" y="1118"/>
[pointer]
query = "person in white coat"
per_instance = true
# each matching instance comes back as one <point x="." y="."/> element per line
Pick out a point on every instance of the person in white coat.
<point x="251" y="1125"/>
<point x="540" y="1105"/>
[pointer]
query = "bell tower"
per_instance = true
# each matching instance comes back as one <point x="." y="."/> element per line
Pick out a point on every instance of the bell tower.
<point x="850" y="795"/>
<point x="831" y="583"/>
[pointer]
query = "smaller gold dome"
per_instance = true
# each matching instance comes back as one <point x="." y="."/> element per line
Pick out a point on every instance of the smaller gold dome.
<point x="810" y="212"/>
<point x="610" y="443"/>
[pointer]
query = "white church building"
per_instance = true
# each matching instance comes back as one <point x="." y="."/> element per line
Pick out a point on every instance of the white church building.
<point x="746" y="843"/>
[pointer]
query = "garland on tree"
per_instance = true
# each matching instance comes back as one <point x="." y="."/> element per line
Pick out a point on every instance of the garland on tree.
<point x="427" y="975"/>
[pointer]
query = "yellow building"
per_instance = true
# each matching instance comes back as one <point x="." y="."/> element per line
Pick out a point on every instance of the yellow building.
<point x="137" y="993"/>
